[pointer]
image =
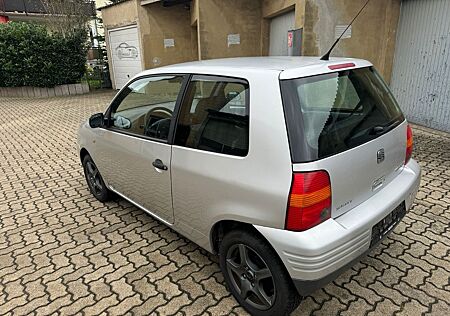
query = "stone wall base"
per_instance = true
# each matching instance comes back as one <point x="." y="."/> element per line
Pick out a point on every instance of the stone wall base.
<point x="35" y="92"/>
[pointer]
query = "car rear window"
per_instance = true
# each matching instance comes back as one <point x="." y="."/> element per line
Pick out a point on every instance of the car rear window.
<point x="331" y="113"/>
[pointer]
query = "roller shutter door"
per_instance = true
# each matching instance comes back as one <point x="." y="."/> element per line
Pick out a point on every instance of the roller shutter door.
<point x="421" y="72"/>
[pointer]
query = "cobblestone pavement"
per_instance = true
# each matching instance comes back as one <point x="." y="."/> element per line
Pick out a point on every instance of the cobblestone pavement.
<point x="62" y="251"/>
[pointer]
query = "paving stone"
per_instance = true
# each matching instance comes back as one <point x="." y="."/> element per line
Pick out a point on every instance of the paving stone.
<point x="385" y="307"/>
<point x="201" y="304"/>
<point x="63" y="251"/>
<point x="168" y="288"/>
<point x="174" y="305"/>
<point x="223" y="307"/>
<point x="331" y="305"/>
<point x="439" y="308"/>
<point x="412" y="308"/>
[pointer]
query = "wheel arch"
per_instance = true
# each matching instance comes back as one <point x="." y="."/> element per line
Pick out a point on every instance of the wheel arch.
<point x="83" y="153"/>
<point x="222" y="227"/>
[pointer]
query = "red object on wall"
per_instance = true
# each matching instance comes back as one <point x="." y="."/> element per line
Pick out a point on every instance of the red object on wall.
<point x="3" y="19"/>
<point x="290" y="39"/>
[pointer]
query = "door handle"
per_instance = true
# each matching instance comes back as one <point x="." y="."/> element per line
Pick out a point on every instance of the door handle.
<point x="159" y="164"/>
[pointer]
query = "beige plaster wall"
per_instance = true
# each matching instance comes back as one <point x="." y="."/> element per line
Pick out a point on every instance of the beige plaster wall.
<point x="201" y="32"/>
<point x="217" y="19"/>
<point x="157" y="23"/>
<point x="121" y="14"/>
<point x="373" y="33"/>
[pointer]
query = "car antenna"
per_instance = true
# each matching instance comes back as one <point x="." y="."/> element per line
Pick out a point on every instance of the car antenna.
<point x="327" y="55"/>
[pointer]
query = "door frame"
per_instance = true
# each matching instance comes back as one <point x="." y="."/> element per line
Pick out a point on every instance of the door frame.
<point x="180" y="97"/>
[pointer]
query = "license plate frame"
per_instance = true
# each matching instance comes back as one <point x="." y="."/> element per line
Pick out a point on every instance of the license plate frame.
<point x="387" y="224"/>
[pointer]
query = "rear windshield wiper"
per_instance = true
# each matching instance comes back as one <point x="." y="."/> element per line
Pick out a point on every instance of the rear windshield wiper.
<point x="380" y="129"/>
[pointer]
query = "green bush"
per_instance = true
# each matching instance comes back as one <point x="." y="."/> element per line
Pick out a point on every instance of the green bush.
<point x="31" y="56"/>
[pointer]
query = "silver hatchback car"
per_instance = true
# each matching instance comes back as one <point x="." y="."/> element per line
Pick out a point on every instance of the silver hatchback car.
<point x="290" y="169"/>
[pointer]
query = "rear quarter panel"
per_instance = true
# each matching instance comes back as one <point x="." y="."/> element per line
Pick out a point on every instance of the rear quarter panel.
<point x="209" y="187"/>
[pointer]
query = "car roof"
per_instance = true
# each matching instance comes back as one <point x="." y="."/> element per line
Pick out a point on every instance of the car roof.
<point x="290" y="67"/>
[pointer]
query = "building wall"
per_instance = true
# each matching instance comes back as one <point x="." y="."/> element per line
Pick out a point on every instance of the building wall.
<point x="157" y="23"/>
<point x="373" y="33"/>
<point x="213" y="20"/>
<point x="218" y="19"/>
<point x="195" y="32"/>
<point x="121" y="14"/>
<point x="272" y="8"/>
<point x="201" y="33"/>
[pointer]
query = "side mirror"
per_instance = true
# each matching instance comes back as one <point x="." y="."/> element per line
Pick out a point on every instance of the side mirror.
<point x="96" y="120"/>
<point x="233" y="95"/>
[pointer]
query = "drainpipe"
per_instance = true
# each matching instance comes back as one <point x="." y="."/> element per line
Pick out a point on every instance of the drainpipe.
<point x="25" y="7"/>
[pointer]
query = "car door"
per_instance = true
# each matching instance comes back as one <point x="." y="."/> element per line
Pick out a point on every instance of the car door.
<point x="135" y="153"/>
<point x="210" y="145"/>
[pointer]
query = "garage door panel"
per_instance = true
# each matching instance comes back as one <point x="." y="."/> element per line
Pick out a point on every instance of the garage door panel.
<point x="117" y="56"/>
<point x="122" y="38"/>
<point x="279" y="27"/>
<point x="126" y="54"/>
<point x="131" y="32"/>
<point x="128" y="31"/>
<point x="420" y="77"/>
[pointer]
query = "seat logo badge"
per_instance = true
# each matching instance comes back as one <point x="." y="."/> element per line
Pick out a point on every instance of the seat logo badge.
<point x="380" y="155"/>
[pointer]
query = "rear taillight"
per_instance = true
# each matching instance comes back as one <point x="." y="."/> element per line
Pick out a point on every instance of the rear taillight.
<point x="309" y="200"/>
<point x="409" y="144"/>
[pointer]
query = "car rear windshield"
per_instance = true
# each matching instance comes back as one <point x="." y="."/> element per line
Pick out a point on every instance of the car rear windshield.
<point x="331" y="113"/>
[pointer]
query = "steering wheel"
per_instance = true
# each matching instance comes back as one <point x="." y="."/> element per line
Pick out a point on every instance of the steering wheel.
<point x="156" y="128"/>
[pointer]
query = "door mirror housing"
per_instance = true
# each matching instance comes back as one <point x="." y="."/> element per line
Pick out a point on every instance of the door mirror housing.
<point x="233" y="95"/>
<point x="97" y="120"/>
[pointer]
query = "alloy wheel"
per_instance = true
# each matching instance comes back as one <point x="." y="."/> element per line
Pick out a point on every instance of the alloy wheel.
<point x="250" y="276"/>
<point x="93" y="177"/>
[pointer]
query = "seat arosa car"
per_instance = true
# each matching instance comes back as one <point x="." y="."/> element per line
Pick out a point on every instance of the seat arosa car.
<point x="290" y="169"/>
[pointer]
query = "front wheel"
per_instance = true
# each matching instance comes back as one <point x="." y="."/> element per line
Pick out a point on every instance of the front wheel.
<point x="256" y="276"/>
<point x="95" y="181"/>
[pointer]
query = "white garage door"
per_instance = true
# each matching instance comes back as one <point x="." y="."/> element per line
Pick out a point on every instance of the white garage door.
<point x="126" y="54"/>
<point x="421" y="74"/>
<point x="279" y="27"/>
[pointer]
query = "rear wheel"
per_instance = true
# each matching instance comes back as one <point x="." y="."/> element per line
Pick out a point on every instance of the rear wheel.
<point x="256" y="276"/>
<point x="95" y="181"/>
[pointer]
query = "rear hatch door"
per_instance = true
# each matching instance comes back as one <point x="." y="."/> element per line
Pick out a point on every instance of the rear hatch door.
<point x="349" y="124"/>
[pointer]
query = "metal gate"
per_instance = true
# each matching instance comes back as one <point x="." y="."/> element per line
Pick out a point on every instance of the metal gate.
<point x="421" y="73"/>
<point x="279" y="27"/>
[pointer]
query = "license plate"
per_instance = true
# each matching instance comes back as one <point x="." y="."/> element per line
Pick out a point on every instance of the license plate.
<point x="383" y="227"/>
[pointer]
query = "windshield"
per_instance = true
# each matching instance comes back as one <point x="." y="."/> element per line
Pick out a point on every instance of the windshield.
<point x="330" y="113"/>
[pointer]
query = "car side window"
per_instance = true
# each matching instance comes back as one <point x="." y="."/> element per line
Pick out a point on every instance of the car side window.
<point x="214" y="115"/>
<point x="146" y="106"/>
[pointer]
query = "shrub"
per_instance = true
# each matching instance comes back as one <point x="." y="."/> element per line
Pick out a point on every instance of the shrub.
<point x="31" y="56"/>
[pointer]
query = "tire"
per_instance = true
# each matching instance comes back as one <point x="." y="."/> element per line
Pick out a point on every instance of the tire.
<point x="95" y="181"/>
<point x="277" y="294"/>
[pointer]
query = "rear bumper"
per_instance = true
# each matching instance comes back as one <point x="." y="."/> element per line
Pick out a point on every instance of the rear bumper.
<point x="317" y="256"/>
